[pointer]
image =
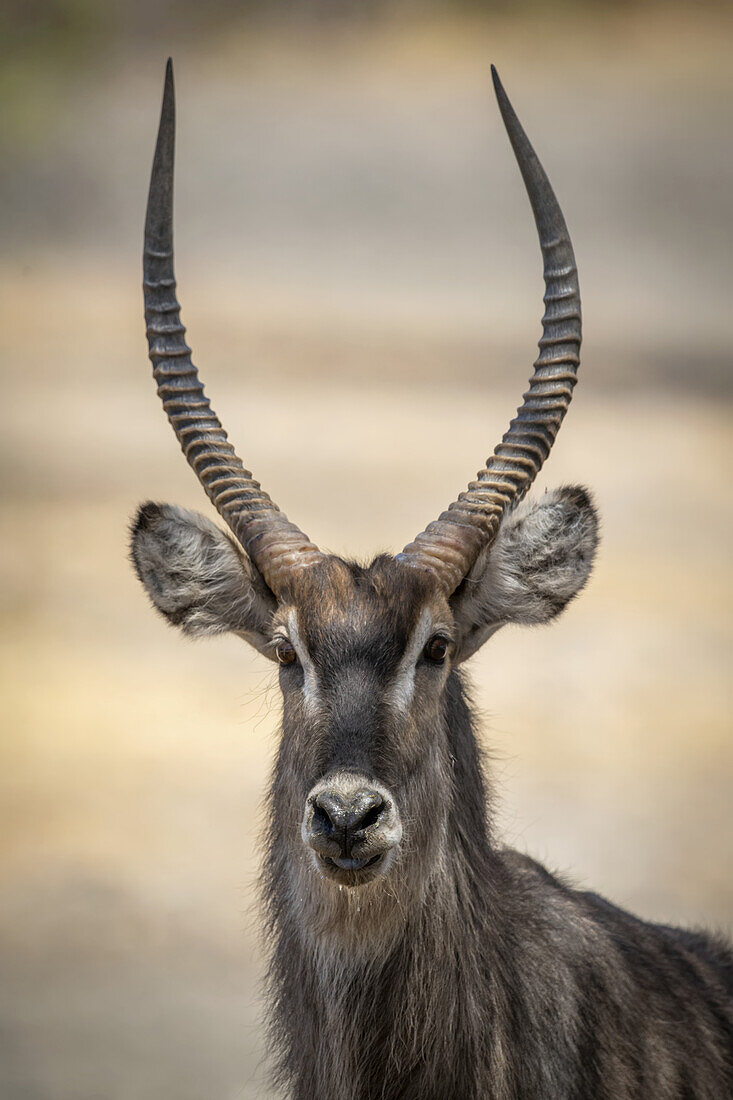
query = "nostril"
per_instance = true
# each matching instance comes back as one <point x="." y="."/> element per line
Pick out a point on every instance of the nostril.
<point x="371" y="817"/>
<point x="330" y="811"/>
<point x="322" y="822"/>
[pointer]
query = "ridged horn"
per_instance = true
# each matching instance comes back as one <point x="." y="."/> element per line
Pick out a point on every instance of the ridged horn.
<point x="451" y="544"/>
<point x="275" y="544"/>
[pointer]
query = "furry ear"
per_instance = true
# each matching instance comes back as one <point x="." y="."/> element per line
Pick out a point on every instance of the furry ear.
<point x="539" y="561"/>
<point x="198" y="577"/>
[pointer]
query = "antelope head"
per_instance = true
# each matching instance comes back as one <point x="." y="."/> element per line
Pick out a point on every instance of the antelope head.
<point x="370" y="762"/>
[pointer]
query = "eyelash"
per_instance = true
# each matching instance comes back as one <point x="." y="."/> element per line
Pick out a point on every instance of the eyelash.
<point x="285" y="652"/>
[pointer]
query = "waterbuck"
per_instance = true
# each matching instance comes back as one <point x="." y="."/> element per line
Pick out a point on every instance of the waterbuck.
<point x="411" y="954"/>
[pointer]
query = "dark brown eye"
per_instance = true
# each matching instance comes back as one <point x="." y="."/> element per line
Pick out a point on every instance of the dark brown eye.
<point x="436" y="649"/>
<point x="285" y="653"/>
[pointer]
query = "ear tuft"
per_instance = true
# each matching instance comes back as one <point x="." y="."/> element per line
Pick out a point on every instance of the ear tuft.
<point x="540" y="560"/>
<point x="196" y="576"/>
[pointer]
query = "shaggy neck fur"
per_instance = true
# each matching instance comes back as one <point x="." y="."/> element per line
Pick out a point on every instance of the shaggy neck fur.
<point x="383" y="991"/>
<point x="472" y="973"/>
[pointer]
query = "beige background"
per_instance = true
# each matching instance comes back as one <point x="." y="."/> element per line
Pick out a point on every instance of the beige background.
<point x="360" y="278"/>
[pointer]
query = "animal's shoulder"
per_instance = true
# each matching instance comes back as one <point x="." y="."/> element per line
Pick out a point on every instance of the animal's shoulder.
<point x="636" y="940"/>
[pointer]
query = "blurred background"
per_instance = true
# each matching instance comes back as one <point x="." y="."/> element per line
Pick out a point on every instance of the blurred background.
<point x="361" y="281"/>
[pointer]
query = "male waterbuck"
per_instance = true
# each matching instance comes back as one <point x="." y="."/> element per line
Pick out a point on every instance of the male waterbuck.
<point x="411" y="954"/>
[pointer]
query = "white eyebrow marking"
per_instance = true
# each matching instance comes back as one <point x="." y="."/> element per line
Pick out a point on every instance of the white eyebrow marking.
<point x="310" y="682"/>
<point x="403" y="687"/>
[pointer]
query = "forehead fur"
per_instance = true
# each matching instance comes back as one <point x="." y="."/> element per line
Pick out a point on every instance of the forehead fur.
<point x="361" y="608"/>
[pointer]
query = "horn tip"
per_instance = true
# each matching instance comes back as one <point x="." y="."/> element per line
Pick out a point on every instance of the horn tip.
<point x="499" y="89"/>
<point x="169" y="90"/>
<point x="168" y="108"/>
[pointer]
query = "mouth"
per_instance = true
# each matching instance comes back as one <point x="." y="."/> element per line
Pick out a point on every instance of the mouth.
<point x="348" y="871"/>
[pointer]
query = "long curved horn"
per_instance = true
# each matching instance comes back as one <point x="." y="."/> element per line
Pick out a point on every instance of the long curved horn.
<point x="451" y="544"/>
<point x="274" y="543"/>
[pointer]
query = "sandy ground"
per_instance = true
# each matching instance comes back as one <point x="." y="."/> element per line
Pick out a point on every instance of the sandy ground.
<point x="359" y="276"/>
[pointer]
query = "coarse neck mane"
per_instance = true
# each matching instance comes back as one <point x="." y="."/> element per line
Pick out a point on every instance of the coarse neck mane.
<point x="346" y="996"/>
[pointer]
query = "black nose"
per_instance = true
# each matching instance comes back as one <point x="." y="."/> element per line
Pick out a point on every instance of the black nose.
<point x="341" y="820"/>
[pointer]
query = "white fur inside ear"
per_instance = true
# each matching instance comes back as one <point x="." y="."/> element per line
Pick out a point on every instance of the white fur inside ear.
<point x="540" y="560"/>
<point x="196" y="576"/>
